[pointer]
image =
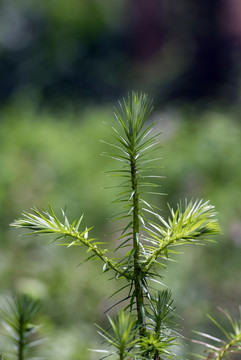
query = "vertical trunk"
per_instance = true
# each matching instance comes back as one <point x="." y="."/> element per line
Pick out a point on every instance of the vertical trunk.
<point x="21" y="340"/>
<point x="137" y="268"/>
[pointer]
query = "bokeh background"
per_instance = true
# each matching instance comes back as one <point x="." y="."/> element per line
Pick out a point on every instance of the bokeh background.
<point x="63" y="66"/>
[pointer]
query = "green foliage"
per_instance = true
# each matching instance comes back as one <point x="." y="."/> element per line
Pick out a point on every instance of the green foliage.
<point x="161" y="315"/>
<point x="195" y="221"/>
<point x="144" y="241"/>
<point x="48" y="223"/>
<point x="18" y="317"/>
<point x="162" y="324"/>
<point x="219" y="349"/>
<point x="48" y="157"/>
<point x="124" y="337"/>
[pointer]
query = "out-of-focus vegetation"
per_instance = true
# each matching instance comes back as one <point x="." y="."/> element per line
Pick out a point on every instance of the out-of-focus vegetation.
<point x="19" y="322"/>
<point x="53" y="159"/>
<point x="77" y="57"/>
<point x="59" y="51"/>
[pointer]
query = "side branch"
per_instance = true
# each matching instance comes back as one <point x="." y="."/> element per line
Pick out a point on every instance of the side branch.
<point x="190" y="225"/>
<point x="48" y="223"/>
<point x="147" y="264"/>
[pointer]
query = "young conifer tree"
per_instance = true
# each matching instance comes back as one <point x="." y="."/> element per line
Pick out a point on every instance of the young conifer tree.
<point x="17" y="320"/>
<point x="145" y="328"/>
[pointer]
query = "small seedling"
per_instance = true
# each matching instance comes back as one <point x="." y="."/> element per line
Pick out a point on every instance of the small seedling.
<point x="18" y="321"/>
<point x="145" y="327"/>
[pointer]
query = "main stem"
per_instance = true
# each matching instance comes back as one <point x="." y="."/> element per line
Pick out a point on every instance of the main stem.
<point x="137" y="267"/>
<point x="21" y="339"/>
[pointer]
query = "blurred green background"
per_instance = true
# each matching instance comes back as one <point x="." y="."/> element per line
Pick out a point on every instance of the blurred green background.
<point x="64" y="65"/>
